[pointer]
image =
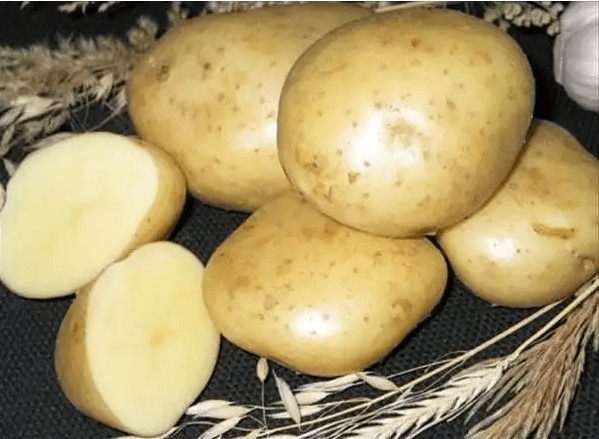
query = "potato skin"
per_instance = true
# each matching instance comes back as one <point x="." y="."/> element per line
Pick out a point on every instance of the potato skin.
<point x="208" y="94"/>
<point x="427" y="108"/>
<point x="72" y="366"/>
<point x="162" y="217"/>
<point x="295" y="286"/>
<point x="537" y="239"/>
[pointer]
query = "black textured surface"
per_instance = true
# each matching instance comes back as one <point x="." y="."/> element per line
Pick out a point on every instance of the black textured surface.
<point x="31" y="404"/>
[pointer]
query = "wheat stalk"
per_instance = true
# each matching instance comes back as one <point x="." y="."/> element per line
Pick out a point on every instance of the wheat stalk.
<point x="542" y="379"/>
<point x="40" y="87"/>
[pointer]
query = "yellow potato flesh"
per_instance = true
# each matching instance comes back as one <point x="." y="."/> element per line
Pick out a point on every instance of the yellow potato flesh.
<point x="76" y="206"/>
<point x="137" y="346"/>
<point x="403" y="123"/>
<point x="208" y="93"/>
<point x="537" y="239"/>
<point x="323" y="299"/>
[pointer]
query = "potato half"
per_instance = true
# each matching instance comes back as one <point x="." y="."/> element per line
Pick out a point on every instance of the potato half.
<point x="537" y="239"/>
<point x="403" y="123"/>
<point x="137" y="346"/>
<point x="76" y="206"/>
<point x="208" y="93"/>
<point x="319" y="297"/>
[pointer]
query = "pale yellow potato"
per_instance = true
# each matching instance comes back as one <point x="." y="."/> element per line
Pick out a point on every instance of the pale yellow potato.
<point x="76" y="206"/>
<point x="208" y="93"/>
<point x="295" y="286"/>
<point x="537" y="239"/>
<point x="405" y="122"/>
<point x="137" y="346"/>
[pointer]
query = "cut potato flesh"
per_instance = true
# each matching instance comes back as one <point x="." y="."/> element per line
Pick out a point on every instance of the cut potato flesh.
<point x="76" y="206"/>
<point x="137" y="346"/>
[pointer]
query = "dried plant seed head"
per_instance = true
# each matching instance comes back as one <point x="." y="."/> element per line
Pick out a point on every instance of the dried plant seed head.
<point x="217" y="409"/>
<point x="288" y="399"/>
<point x="378" y="382"/>
<point x="216" y="431"/>
<point x="262" y="369"/>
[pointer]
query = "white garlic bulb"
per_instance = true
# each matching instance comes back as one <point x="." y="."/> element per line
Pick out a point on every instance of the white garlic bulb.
<point x="576" y="54"/>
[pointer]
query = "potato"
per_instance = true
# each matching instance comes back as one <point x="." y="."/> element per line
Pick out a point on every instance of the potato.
<point x="76" y="206"/>
<point x="403" y="123"/>
<point x="537" y="239"/>
<point x="292" y="285"/>
<point x="208" y="93"/>
<point x="137" y="346"/>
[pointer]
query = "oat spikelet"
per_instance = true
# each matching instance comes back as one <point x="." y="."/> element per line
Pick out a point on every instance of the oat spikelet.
<point x="378" y="382"/>
<point x="262" y="369"/>
<point x="216" y="431"/>
<point x="288" y="399"/>
<point x="217" y="409"/>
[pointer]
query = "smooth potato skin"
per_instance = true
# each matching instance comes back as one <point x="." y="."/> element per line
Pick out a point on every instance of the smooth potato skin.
<point x="208" y="94"/>
<point x="292" y="285"/>
<point x="537" y="239"/>
<point x="71" y="363"/>
<point x="166" y="210"/>
<point x="405" y="122"/>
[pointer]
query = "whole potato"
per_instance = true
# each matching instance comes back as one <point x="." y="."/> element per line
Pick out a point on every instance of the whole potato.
<point x="208" y="93"/>
<point x="403" y="123"/>
<point x="537" y="239"/>
<point x="295" y="286"/>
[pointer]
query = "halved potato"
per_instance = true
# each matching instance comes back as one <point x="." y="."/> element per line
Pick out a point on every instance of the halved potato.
<point x="137" y="346"/>
<point x="78" y="205"/>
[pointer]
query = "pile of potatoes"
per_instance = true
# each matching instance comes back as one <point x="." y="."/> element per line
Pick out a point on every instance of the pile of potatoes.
<point x="371" y="148"/>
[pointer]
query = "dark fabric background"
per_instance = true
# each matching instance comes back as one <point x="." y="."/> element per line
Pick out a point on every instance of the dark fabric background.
<point x="31" y="404"/>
